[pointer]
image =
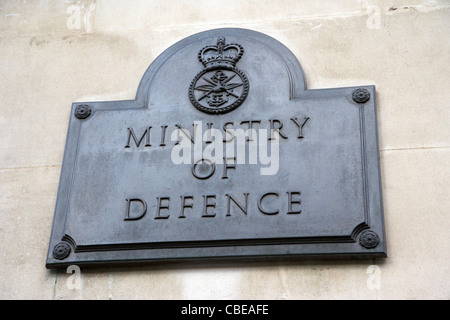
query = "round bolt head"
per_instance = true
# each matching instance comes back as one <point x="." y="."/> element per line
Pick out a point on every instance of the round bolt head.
<point x="82" y="111"/>
<point x="361" y="95"/>
<point x="369" y="239"/>
<point x="61" y="251"/>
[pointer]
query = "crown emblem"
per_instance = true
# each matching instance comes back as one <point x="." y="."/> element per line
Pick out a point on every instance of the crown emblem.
<point x="221" y="54"/>
<point x="220" y="87"/>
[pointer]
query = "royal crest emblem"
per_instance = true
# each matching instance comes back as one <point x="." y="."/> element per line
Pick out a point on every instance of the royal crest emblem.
<point x="220" y="87"/>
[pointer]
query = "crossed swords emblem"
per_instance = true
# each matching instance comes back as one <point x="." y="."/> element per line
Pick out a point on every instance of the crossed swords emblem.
<point x="218" y="86"/>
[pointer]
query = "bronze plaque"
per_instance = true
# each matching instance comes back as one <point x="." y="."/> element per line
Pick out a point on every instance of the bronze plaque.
<point x="223" y="154"/>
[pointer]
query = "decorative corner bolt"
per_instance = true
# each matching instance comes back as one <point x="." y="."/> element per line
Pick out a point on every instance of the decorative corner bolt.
<point x="361" y="95"/>
<point x="61" y="251"/>
<point x="82" y="111"/>
<point x="369" y="239"/>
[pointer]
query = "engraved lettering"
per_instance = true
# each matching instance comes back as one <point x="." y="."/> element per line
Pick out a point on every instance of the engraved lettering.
<point x="185" y="205"/>
<point x="230" y="198"/>
<point x="226" y="135"/>
<point x="250" y="127"/>
<point x="208" y="130"/>
<point x="267" y="203"/>
<point x="227" y="166"/>
<point x="292" y="201"/>
<point x="136" y="141"/>
<point x="205" y="170"/>
<point x="186" y="133"/>
<point x="260" y="207"/>
<point x="207" y="204"/>
<point x="227" y="132"/>
<point x="300" y="126"/>
<point x="141" y="211"/>
<point x="278" y="129"/>
<point x="163" y="136"/>
<point x="161" y="207"/>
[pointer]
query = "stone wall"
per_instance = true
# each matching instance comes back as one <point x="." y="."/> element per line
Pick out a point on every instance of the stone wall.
<point x="53" y="53"/>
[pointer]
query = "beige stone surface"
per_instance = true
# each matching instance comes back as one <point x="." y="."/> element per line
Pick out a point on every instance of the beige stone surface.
<point x="25" y="194"/>
<point x="416" y="202"/>
<point x="45" y="17"/>
<point x="39" y="85"/>
<point x="53" y="53"/>
<point x="117" y="15"/>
